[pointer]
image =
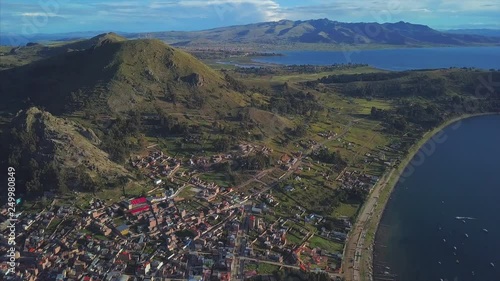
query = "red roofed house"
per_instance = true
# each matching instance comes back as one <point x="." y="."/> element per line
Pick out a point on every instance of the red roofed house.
<point x="139" y="210"/>
<point x="138" y="201"/>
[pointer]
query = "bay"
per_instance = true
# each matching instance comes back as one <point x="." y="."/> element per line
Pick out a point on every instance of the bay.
<point x="420" y="237"/>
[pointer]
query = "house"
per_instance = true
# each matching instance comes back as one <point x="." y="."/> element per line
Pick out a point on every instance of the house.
<point x="130" y="204"/>
<point x="256" y="210"/>
<point x="139" y="210"/>
<point x="285" y="159"/>
<point x="123" y="229"/>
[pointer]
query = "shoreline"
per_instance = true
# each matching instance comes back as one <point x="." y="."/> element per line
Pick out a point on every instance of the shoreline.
<point x="359" y="245"/>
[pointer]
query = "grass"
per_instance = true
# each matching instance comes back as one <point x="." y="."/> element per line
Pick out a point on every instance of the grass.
<point x="53" y="224"/>
<point x="265" y="268"/>
<point x="293" y="238"/>
<point x="345" y="210"/>
<point x="324" y="244"/>
<point x="300" y="77"/>
<point x="187" y="193"/>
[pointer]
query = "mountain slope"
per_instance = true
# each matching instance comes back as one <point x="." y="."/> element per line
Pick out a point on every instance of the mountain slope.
<point x="117" y="76"/>
<point x="58" y="152"/>
<point x="323" y="31"/>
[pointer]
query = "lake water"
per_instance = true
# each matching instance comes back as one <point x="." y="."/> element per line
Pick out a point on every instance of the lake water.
<point x="397" y="59"/>
<point x="419" y="229"/>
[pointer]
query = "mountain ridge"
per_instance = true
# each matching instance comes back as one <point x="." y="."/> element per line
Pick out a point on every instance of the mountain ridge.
<point x="320" y="31"/>
<point x="309" y="32"/>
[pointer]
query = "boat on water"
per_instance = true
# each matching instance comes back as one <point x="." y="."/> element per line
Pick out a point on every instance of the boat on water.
<point x="492" y="264"/>
<point x="465" y="218"/>
<point x="444" y="240"/>
<point x="466" y="235"/>
<point x="455" y="247"/>
<point x="463" y="221"/>
<point x="485" y="230"/>
<point x="457" y="261"/>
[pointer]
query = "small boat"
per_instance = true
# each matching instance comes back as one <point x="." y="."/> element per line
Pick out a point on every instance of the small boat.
<point x="455" y="247"/>
<point x="454" y="253"/>
<point x="457" y="261"/>
<point x="492" y="264"/>
<point x="466" y="235"/>
<point x="485" y="230"/>
<point x="463" y="221"/>
<point x="444" y="240"/>
<point x="473" y="273"/>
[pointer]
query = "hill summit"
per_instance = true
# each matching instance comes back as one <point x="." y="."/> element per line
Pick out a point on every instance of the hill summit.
<point x="117" y="75"/>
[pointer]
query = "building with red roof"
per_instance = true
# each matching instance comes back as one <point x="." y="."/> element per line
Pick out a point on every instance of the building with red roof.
<point x="139" y="210"/>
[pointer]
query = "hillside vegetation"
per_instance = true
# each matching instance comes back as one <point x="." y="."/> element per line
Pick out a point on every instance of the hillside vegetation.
<point x="90" y="110"/>
<point x="117" y="76"/>
<point x="51" y="152"/>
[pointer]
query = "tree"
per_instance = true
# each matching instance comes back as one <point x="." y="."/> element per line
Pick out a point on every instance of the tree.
<point x="222" y="144"/>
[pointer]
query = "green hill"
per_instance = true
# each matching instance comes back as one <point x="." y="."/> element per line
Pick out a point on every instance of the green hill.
<point x="116" y="76"/>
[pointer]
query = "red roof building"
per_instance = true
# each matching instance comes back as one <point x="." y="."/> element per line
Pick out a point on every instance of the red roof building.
<point x="138" y="201"/>
<point x="139" y="210"/>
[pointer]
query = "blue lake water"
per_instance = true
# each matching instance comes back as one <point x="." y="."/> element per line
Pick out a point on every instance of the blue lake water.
<point x="397" y="59"/>
<point x="419" y="229"/>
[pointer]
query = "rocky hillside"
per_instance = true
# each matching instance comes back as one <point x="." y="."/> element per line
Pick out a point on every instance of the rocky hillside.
<point x="52" y="152"/>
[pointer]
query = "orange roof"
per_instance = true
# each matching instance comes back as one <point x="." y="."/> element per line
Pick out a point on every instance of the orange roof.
<point x="285" y="158"/>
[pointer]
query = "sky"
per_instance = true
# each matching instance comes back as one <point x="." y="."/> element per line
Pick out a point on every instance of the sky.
<point x="61" y="16"/>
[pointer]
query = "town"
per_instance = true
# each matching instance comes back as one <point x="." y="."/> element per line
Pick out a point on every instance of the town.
<point x="186" y="227"/>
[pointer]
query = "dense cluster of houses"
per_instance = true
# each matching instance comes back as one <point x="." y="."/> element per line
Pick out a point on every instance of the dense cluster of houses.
<point x="356" y="180"/>
<point x="112" y="242"/>
<point x="157" y="165"/>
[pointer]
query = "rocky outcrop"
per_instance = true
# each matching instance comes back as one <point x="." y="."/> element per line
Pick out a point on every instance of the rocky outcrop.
<point x="194" y="80"/>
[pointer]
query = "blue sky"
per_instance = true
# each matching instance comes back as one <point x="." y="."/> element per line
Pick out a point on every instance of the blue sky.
<point x="58" y="16"/>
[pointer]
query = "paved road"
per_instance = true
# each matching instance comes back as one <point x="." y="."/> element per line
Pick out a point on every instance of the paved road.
<point x="355" y="247"/>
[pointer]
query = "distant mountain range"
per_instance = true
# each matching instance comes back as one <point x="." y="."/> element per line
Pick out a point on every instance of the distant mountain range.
<point x="320" y="31"/>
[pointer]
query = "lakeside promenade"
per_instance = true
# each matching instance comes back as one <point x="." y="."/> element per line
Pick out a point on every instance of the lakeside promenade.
<point x="357" y="261"/>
